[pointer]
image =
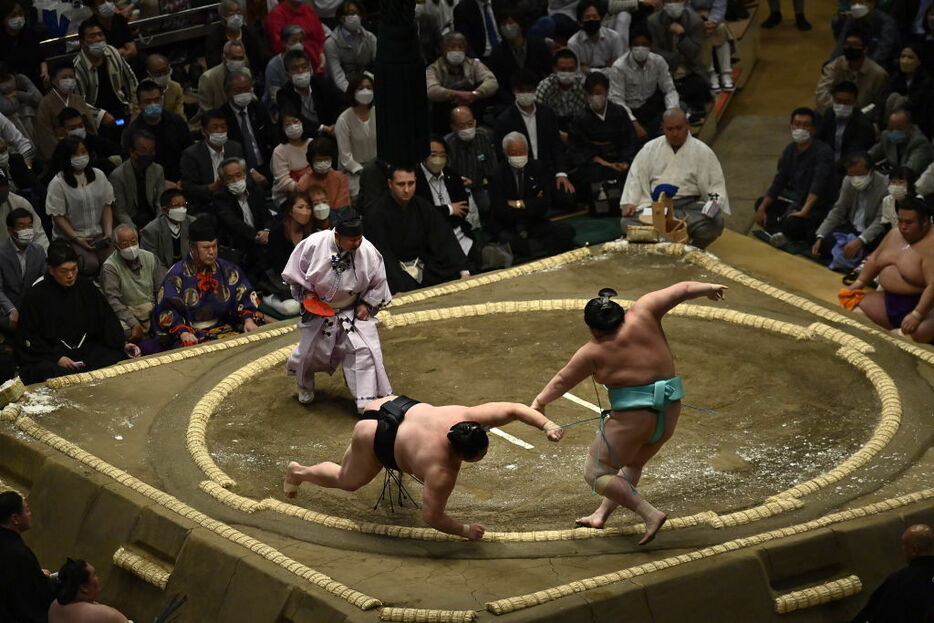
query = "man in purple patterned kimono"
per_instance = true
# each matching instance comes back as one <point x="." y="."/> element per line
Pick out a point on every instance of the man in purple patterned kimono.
<point x="340" y="279"/>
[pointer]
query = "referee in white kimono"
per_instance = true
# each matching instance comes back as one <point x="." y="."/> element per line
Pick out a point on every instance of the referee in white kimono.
<point x="339" y="278"/>
<point x="679" y="159"/>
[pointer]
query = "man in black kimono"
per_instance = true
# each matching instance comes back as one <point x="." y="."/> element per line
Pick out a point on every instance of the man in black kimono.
<point x="25" y="588"/>
<point x="66" y="325"/>
<point x="418" y="245"/>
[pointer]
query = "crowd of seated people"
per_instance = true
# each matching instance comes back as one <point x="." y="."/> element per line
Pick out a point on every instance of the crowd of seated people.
<point x="535" y="111"/>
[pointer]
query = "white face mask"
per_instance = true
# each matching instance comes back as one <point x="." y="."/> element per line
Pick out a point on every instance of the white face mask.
<point x="566" y="77"/>
<point x="25" y="236"/>
<point x="298" y="46"/>
<point x="321" y="167"/>
<point x="97" y="48"/>
<point x="321" y="211"/>
<point x="860" y="182"/>
<point x="162" y="81"/>
<point x="640" y="53"/>
<point x="67" y="85"/>
<point x="467" y="134"/>
<point x="302" y="80"/>
<point x="859" y="10"/>
<point x="455" y="57"/>
<point x="4" y="159"/>
<point x="217" y="139"/>
<point x="177" y="214"/>
<point x="106" y="9"/>
<point x="800" y="135"/>
<point x="233" y="66"/>
<point x="525" y="99"/>
<point x="597" y="102"/>
<point x="518" y="162"/>
<point x="509" y="31"/>
<point x="674" y="9"/>
<point x="419" y="8"/>
<point x="234" y="22"/>
<point x="79" y="132"/>
<point x="351" y="22"/>
<point x="237" y="188"/>
<point x="436" y="164"/>
<point x="294" y="130"/>
<point x="898" y="191"/>
<point x="16" y="23"/>
<point x="842" y="111"/>
<point x="242" y="99"/>
<point x="79" y="163"/>
<point x="130" y="253"/>
<point x="364" y="96"/>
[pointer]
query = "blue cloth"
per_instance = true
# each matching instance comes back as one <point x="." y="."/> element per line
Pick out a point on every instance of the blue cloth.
<point x="840" y="261"/>
<point x="655" y="396"/>
<point x="669" y="189"/>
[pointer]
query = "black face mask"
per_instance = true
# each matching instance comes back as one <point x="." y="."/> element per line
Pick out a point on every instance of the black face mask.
<point x="591" y="27"/>
<point x="853" y="54"/>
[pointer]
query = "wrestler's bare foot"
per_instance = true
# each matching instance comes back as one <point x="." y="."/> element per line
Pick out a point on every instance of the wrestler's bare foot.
<point x="594" y="520"/>
<point x="291" y="482"/>
<point x="653" y="525"/>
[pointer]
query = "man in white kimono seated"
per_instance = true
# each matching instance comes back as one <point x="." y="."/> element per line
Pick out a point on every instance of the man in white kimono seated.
<point x="339" y="278"/>
<point x="680" y="160"/>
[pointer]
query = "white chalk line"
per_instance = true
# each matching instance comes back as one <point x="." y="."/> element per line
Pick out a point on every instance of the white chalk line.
<point x="582" y="402"/>
<point x="511" y="438"/>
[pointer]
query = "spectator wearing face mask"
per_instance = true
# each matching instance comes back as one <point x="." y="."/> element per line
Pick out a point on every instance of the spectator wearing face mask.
<point x="19" y="44"/>
<point x="301" y="14"/>
<point x="517" y="52"/>
<point x="902" y="144"/>
<point x="844" y="126"/>
<point x="231" y="27"/>
<point x="472" y="155"/>
<point x="355" y="131"/>
<point x="455" y="80"/>
<point x="10" y="201"/>
<point x="115" y="26"/>
<point x="159" y="71"/>
<point x="166" y="236"/>
<point x="350" y="48"/>
<point x="321" y="155"/>
<point x="169" y="131"/>
<point x="200" y="163"/>
<point x="912" y="88"/>
<point x="104" y="77"/>
<point x="289" y="161"/>
<point x="22" y="261"/>
<point x="297" y="221"/>
<point x="596" y="47"/>
<point x="138" y="182"/>
<point x="249" y="124"/>
<point x="101" y="149"/>
<point x="314" y="98"/>
<point x="212" y="91"/>
<point x="563" y="90"/>
<point x="902" y="186"/>
<point x="877" y="24"/>
<point x="62" y="94"/>
<point x="292" y="37"/>
<point x="678" y="37"/>
<point x="853" y="66"/>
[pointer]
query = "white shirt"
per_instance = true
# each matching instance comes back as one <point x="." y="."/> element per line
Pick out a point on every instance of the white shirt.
<point x="82" y="205"/>
<point x="217" y="157"/>
<point x="632" y="84"/>
<point x="531" y="126"/>
<point x="694" y="169"/>
<point x="245" y="209"/>
<point x="439" y="190"/>
<point x="485" y="6"/>
<point x="600" y="53"/>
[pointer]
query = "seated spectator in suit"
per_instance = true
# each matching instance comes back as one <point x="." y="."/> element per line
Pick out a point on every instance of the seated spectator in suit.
<point x="902" y="144"/>
<point x="602" y="139"/>
<point x="437" y="183"/>
<point x="76" y="596"/>
<point x="540" y="126"/>
<point x="455" y="80"/>
<point x="301" y="14"/>
<point x="101" y="149"/>
<point x="596" y="46"/>
<point x="22" y="261"/>
<point x="138" y="182"/>
<point x="517" y="52"/>
<point x="350" y="48"/>
<point x="882" y="31"/>
<point x="249" y="124"/>
<point x="355" y="131"/>
<point x="472" y="155"/>
<point x="65" y="323"/>
<point x="20" y="177"/>
<point x="519" y="201"/>
<point x="80" y="202"/>
<point x="911" y="88"/>
<point x="315" y="98"/>
<point x="563" y="90"/>
<point x="159" y="71"/>
<point x="321" y="155"/>
<point x="297" y="221"/>
<point x="200" y="163"/>
<point x="678" y="36"/>
<point x="844" y="126"/>
<point x="641" y="82"/>
<point x="212" y="84"/>
<point x="168" y="129"/>
<point x="418" y="246"/>
<point x="243" y="220"/>
<point x="166" y="236"/>
<point x="25" y="588"/>
<point x="476" y="20"/>
<point x="204" y="297"/>
<point x="10" y="201"/>
<point x="802" y="191"/>
<point x="293" y="38"/>
<point x="231" y="27"/>
<point x="855" y="221"/>
<point x="130" y="279"/>
<point x="853" y="66"/>
<point x="62" y="94"/>
<point x="678" y="159"/>
<point x="290" y="157"/>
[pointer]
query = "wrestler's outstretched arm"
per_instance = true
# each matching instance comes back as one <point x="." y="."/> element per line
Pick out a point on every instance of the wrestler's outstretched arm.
<point x="500" y="413"/>
<point x="576" y="370"/>
<point x="439" y="482"/>
<point x="662" y="301"/>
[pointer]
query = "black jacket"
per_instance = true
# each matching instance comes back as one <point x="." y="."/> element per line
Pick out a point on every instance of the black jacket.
<point x="502" y="62"/>
<point x="535" y="194"/>
<point x="858" y="136"/>
<point x="468" y="20"/>
<point x="25" y="591"/>
<point x="198" y="172"/>
<point x="551" y="152"/>
<point x="263" y="130"/>
<point x="234" y="231"/>
<point x="328" y="100"/>
<point x="456" y="192"/>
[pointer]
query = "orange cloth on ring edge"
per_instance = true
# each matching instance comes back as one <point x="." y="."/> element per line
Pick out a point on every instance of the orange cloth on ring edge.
<point x="850" y="298"/>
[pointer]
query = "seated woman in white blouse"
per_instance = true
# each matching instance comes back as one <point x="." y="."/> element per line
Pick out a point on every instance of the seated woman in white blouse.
<point x="356" y="131"/>
<point x="80" y="202"/>
<point x="289" y="159"/>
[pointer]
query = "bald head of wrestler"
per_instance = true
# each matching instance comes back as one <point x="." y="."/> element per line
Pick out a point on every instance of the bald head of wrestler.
<point x="918" y="540"/>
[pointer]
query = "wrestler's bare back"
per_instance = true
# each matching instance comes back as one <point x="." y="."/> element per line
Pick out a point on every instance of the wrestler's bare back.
<point x="902" y="265"/>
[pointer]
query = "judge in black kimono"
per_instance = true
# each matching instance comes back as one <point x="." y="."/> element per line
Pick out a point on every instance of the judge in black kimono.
<point x="66" y="325"/>
<point x="520" y="195"/>
<point x="417" y="243"/>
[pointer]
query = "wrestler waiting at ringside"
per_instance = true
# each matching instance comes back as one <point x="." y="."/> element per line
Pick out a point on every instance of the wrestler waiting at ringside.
<point x="630" y="356"/>
<point x="422" y="440"/>
<point x="339" y="278"/>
